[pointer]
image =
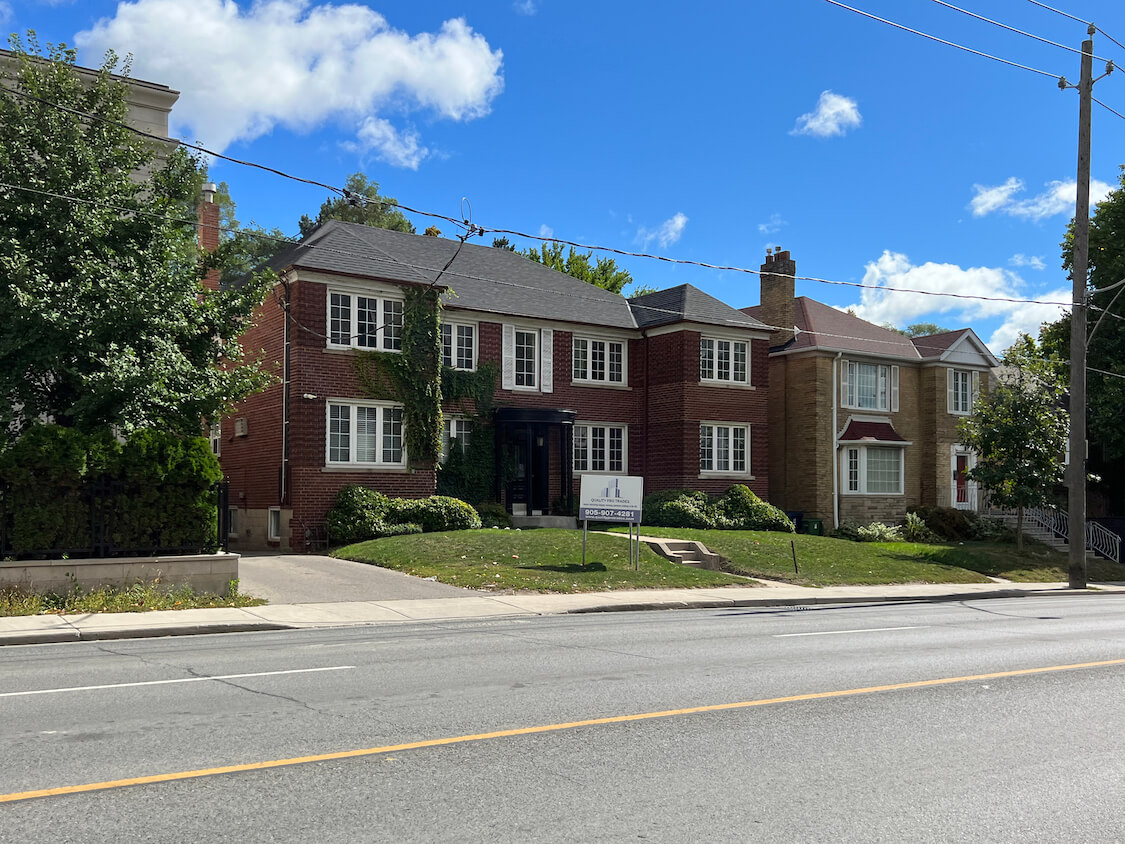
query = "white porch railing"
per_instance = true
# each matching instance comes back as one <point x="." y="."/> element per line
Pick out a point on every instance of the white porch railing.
<point x="1099" y="539"/>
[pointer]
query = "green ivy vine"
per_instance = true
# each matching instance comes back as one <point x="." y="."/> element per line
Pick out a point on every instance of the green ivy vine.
<point x="412" y="377"/>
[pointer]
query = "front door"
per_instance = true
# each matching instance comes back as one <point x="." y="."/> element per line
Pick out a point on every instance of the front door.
<point x="526" y="469"/>
<point x="961" y="496"/>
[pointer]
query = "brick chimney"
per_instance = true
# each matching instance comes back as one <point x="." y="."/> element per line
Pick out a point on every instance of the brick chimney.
<point x="778" y="307"/>
<point x="208" y="214"/>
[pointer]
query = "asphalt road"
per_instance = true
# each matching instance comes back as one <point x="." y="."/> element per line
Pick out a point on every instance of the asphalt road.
<point x="800" y="738"/>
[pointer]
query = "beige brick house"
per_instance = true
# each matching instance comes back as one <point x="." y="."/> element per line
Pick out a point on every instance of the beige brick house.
<point x="863" y="420"/>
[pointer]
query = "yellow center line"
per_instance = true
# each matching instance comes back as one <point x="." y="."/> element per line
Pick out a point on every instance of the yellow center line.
<point x="543" y="728"/>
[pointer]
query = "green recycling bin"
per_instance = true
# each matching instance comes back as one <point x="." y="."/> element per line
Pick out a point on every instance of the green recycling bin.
<point x="814" y="527"/>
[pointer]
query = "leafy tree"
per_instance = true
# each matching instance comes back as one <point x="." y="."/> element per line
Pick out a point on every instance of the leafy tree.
<point x="244" y="247"/>
<point x="641" y="290"/>
<point x="1019" y="431"/>
<point x="105" y="319"/>
<point x="432" y="231"/>
<point x="365" y="206"/>
<point x="1106" y="350"/>
<point x="917" y="329"/>
<point x="503" y="243"/>
<point x="602" y="273"/>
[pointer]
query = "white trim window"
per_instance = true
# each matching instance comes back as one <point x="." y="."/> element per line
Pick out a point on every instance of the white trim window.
<point x="364" y="434"/>
<point x="600" y="447"/>
<point x="724" y="448"/>
<point x="215" y="435"/>
<point x="459" y="345"/>
<point x="724" y="361"/>
<point x="273" y="524"/>
<point x="364" y="322"/>
<point x="872" y="469"/>
<point x="232" y="522"/>
<point x="963" y="387"/>
<point x="598" y="361"/>
<point x="869" y="386"/>
<point x="527" y="358"/>
<point x="455" y="430"/>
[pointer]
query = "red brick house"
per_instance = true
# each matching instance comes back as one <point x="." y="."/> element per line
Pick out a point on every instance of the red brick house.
<point x="671" y="386"/>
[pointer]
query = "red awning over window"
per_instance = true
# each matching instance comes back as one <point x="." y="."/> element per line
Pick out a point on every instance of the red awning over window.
<point x="882" y="432"/>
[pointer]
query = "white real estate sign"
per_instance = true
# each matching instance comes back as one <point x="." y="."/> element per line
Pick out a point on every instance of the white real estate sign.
<point x="611" y="498"/>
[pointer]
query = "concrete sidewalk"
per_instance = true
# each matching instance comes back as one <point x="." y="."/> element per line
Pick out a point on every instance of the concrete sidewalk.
<point x="22" y="630"/>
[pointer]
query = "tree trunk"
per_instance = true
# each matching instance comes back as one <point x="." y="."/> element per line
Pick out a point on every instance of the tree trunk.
<point x="1019" y="529"/>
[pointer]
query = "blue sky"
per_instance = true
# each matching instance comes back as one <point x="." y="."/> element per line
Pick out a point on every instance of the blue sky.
<point x="706" y="131"/>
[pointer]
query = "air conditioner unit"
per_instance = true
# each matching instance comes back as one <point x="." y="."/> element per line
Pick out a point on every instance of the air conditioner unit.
<point x="241" y="429"/>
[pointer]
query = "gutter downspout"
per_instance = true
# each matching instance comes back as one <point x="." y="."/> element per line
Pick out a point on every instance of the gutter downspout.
<point x="835" y="445"/>
<point x="285" y="386"/>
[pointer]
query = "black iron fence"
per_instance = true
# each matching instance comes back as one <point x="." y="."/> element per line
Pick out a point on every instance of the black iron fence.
<point x="107" y="517"/>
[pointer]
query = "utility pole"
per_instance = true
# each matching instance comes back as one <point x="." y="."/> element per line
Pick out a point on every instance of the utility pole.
<point x="1076" y="471"/>
<point x="1079" y="274"/>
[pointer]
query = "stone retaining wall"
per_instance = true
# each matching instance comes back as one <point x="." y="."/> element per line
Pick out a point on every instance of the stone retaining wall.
<point x="203" y="572"/>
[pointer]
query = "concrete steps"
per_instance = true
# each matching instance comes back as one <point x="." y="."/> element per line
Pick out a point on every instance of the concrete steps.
<point x="1035" y="531"/>
<point x="685" y="552"/>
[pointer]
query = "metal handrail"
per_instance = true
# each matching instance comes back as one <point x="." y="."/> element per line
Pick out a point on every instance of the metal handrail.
<point x="1099" y="539"/>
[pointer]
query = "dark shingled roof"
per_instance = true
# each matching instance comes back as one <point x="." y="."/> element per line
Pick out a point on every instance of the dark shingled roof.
<point x="482" y="278"/>
<point x="687" y="304"/>
<point x="822" y="326"/>
<point x="882" y="432"/>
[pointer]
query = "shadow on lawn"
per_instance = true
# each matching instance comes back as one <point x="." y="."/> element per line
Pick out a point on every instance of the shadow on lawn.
<point x="572" y="568"/>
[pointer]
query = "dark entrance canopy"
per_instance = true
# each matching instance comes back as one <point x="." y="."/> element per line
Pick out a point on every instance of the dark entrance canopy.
<point x="528" y="480"/>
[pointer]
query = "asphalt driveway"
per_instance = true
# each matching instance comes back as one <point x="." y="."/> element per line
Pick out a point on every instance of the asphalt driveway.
<point x="313" y="579"/>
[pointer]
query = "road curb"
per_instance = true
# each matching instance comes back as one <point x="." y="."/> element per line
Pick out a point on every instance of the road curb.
<point x="49" y="637"/>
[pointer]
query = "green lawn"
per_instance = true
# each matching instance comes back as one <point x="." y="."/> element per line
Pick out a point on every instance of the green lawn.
<point x="823" y="561"/>
<point x="537" y="560"/>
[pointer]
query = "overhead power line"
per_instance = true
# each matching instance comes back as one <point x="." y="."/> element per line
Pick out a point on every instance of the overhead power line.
<point x="943" y="41"/>
<point x="486" y="230"/>
<point x="1078" y="20"/>
<point x="1013" y="29"/>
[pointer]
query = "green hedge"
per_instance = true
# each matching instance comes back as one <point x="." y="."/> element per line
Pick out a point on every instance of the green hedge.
<point x="738" y="509"/>
<point x="360" y="513"/>
<point x="152" y="492"/>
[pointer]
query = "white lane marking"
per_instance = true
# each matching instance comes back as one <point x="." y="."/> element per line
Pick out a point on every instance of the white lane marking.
<point x="840" y="632"/>
<point x="166" y="682"/>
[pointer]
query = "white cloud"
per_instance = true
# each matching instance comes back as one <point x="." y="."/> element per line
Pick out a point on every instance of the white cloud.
<point x="1033" y="261"/>
<point x="835" y="114"/>
<point x="1058" y="198"/>
<point x="525" y="7"/>
<point x="772" y="225"/>
<point x="670" y="231"/>
<point x="1026" y="319"/>
<point x="400" y="149"/>
<point x="546" y="232"/>
<point x="244" y="71"/>
<point x="893" y="269"/>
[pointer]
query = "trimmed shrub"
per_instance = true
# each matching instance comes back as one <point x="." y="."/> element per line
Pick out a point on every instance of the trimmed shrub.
<point x="436" y="513"/>
<point x="741" y="509"/>
<point x="152" y="493"/>
<point x="680" y="508"/>
<point x="493" y="514"/>
<point x="738" y="509"/>
<point x="357" y="514"/>
<point x="361" y="513"/>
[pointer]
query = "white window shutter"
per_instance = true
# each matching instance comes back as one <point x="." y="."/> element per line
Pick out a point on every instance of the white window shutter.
<point x="547" y="360"/>
<point x="949" y="390"/>
<point x="894" y="389"/>
<point x="976" y="389"/>
<point x="508" y="358"/>
<point x="844" y="383"/>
